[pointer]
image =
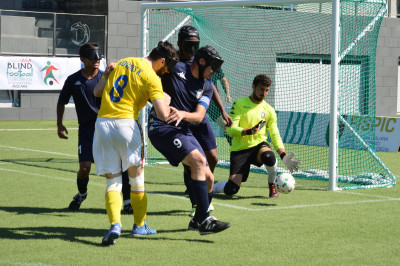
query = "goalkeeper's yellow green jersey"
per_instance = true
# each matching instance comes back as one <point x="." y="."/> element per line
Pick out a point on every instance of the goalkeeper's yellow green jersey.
<point x="246" y="114"/>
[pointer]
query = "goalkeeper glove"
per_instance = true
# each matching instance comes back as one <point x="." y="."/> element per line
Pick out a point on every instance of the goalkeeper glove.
<point x="256" y="128"/>
<point x="292" y="165"/>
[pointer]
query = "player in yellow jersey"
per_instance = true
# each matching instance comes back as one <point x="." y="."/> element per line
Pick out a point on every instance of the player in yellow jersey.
<point x="118" y="139"/>
<point x="252" y="118"/>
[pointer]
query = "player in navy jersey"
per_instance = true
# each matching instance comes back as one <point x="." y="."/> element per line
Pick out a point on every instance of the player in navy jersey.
<point x="80" y="86"/>
<point x="188" y="43"/>
<point x="190" y="90"/>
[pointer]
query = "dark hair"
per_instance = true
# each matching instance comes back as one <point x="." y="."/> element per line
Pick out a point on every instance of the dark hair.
<point x="167" y="51"/>
<point x="263" y="80"/>
<point x="87" y="46"/>
<point x="163" y="50"/>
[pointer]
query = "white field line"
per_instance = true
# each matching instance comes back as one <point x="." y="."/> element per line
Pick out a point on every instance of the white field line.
<point x="217" y="203"/>
<point x="34" y="129"/>
<point x="383" y="198"/>
<point x="9" y="262"/>
<point x="33" y="174"/>
<point x="362" y="194"/>
<point x="49" y="152"/>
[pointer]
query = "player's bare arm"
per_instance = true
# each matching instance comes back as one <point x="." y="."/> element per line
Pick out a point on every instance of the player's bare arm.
<point x="225" y="86"/>
<point x="161" y="108"/>
<point x="195" y="117"/>
<point x="217" y="100"/>
<point x="60" y="127"/>
<point x="98" y="90"/>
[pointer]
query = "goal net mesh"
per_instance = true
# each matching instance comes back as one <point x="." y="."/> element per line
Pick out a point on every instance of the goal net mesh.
<point x="292" y="43"/>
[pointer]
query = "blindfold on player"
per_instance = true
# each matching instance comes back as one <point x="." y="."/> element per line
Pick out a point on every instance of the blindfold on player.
<point x="91" y="54"/>
<point x="190" y="46"/>
<point x="216" y="64"/>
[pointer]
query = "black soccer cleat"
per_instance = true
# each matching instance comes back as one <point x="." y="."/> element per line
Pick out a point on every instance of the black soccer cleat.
<point x="76" y="202"/>
<point x="211" y="226"/>
<point x="193" y="225"/>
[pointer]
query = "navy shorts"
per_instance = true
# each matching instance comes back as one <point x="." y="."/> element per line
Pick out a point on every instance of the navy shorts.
<point x="241" y="160"/>
<point x="204" y="135"/>
<point x="174" y="142"/>
<point x="85" y="142"/>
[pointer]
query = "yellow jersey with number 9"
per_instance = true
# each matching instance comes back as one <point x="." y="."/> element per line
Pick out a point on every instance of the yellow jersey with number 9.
<point x="128" y="88"/>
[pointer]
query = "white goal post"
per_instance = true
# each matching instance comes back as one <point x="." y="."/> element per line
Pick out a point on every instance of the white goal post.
<point x="336" y="57"/>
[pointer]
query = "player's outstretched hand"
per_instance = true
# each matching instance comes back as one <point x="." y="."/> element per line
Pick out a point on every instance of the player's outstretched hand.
<point x="227" y="119"/>
<point x="110" y="67"/>
<point x="292" y="165"/>
<point x="60" y="131"/>
<point x="174" y="115"/>
<point x="256" y="128"/>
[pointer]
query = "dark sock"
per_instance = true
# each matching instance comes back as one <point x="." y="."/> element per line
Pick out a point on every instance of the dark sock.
<point x="210" y="196"/>
<point x="82" y="184"/>
<point x="126" y="187"/>
<point x="201" y="196"/>
<point x="187" y="176"/>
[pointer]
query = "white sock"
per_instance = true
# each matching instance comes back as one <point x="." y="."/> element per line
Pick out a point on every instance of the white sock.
<point x="127" y="201"/>
<point x="272" y="172"/>
<point x="219" y="187"/>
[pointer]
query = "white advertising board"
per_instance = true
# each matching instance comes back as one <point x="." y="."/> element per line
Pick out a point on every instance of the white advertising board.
<point x="301" y="128"/>
<point x="37" y="73"/>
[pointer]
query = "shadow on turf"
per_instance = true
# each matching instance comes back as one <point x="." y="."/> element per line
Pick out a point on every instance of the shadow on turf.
<point x="48" y="163"/>
<point x="63" y="233"/>
<point x="264" y="204"/>
<point x="65" y="212"/>
<point x="74" y="234"/>
<point x="237" y="197"/>
<point x="169" y="213"/>
<point x="216" y="196"/>
<point x="41" y="210"/>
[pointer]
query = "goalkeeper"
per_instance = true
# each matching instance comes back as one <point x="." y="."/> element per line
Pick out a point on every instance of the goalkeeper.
<point x="252" y="119"/>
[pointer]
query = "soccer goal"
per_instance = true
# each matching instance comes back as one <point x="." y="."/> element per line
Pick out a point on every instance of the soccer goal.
<point x="321" y="58"/>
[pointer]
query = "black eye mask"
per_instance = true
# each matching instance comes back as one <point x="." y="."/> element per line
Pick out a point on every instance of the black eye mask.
<point x="92" y="54"/>
<point x="190" y="46"/>
<point x="216" y="64"/>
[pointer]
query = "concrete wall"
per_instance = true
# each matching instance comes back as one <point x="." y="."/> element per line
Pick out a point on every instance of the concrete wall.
<point x="37" y="106"/>
<point x="123" y="29"/>
<point x="387" y="58"/>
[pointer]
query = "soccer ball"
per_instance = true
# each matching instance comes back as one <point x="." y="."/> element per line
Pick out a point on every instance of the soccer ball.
<point x="285" y="183"/>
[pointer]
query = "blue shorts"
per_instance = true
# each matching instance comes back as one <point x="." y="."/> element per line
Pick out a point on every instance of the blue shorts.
<point x="174" y="142"/>
<point x="85" y="142"/>
<point x="204" y="134"/>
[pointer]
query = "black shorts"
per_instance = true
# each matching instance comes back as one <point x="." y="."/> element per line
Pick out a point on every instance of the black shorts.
<point x="241" y="160"/>
<point x="85" y="142"/>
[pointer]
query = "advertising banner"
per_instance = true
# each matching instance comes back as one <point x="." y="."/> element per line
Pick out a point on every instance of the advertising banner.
<point x="301" y="128"/>
<point x="37" y="73"/>
<point x="387" y="134"/>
